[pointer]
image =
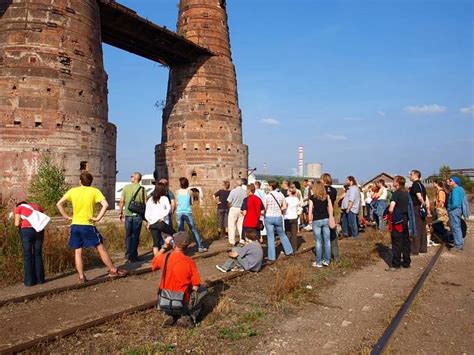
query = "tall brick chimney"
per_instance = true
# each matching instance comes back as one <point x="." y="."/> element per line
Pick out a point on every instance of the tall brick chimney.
<point x="53" y="94"/>
<point x="202" y="124"/>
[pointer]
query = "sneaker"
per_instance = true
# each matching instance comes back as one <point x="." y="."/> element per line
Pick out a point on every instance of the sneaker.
<point x="315" y="264"/>
<point x="237" y="268"/>
<point x="202" y="250"/>
<point x="168" y="322"/>
<point x="308" y="228"/>
<point x="185" y="322"/>
<point x="221" y="269"/>
<point x="325" y="263"/>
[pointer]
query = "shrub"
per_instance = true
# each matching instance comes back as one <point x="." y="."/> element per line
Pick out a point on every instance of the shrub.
<point x="48" y="186"/>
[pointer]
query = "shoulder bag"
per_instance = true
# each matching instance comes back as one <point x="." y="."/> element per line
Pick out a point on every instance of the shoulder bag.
<point x="37" y="219"/>
<point x="170" y="302"/>
<point x="137" y="207"/>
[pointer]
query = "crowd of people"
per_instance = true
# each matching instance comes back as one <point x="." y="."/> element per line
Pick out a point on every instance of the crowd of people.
<point x="248" y="216"/>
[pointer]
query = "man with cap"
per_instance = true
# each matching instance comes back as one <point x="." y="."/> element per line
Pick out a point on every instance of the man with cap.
<point x="181" y="276"/>
<point x="455" y="202"/>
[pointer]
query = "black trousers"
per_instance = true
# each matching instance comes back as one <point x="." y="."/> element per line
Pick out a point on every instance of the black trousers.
<point x="401" y="247"/>
<point x="156" y="229"/>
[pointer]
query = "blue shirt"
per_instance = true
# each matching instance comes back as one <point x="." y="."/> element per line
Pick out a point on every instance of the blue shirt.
<point x="184" y="203"/>
<point x="456" y="198"/>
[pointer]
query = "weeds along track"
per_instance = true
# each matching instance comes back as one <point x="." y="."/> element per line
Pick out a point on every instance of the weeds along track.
<point x="95" y="281"/>
<point x="381" y="344"/>
<point x="53" y="335"/>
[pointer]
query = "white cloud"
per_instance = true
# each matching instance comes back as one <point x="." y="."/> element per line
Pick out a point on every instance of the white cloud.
<point x="381" y="113"/>
<point x="270" y="121"/>
<point x="336" y="137"/>
<point x="469" y="110"/>
<point x="353" y="119"/>
<point x="425" y="109"/>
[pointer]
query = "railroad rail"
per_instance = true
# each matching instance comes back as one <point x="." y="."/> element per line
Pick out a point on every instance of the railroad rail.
<point x="97" y="280"/>
<point x="381" y="344"/>
<point x="213" y="282"/>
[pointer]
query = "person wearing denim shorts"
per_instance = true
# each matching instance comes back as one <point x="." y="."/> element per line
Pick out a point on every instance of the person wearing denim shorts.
<point x="84" y="234"/>
<point x="320" y="208"/>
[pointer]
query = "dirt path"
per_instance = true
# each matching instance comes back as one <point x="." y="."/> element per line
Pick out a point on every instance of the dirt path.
<point x="44" y="316"/>
<point x="442" y="318"/>
<point x="353" y="313"/>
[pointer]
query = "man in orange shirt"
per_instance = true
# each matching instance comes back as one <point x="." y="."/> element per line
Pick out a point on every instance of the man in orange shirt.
<point x="181" y="276"/>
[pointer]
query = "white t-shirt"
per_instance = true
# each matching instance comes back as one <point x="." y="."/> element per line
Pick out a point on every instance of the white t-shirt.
<point x="156" y="211"/>
<point x="292" y="204"/>
<point x="383" y="194"/>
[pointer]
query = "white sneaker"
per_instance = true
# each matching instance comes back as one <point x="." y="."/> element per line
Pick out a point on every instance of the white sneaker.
<point x="220" y="268"/>
<point x="308" y="228"/>
<point x="315" y="264"/>
<point x="325" y="263"/>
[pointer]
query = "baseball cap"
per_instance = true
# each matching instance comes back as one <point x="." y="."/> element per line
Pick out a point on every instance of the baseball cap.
<point x="457" y="180"/>
<point x="181" y="239"/>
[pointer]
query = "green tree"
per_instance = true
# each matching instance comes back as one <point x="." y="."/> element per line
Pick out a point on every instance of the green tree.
<point x="444" y="172"/>
<point x="48" y="186"/>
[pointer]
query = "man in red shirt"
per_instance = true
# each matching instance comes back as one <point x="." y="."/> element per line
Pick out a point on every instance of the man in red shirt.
<point x="181" y="276"/>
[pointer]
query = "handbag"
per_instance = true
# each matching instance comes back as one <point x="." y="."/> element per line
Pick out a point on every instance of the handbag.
<point x="137" y="207"/>
<point x="37" y="219"/>
<point x="170" y="302"/>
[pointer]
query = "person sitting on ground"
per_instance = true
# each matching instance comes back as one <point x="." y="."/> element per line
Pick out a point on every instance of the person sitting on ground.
<point x="157" y="214"/>
<point x="84" y="234"/>
<point x="32" y="243"/>
<point x="248" y="257"/>
<point x="181" y="275"/>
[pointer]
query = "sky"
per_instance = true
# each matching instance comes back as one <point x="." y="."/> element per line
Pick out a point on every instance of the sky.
<point x="364" y="86"/>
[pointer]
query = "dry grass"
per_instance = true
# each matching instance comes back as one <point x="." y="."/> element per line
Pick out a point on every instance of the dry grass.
<point x="205" y="218"/>
<point x="288" y="279"/>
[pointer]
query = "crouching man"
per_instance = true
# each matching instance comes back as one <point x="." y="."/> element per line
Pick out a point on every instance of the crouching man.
<point x="180" y="294"/>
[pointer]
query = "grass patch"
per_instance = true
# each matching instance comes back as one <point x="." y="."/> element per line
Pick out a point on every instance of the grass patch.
<point x="152" y="349"/>
<point x="237" y="332"/>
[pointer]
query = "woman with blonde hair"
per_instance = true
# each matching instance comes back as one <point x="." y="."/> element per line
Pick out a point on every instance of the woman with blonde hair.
<point x="322" y="218"/>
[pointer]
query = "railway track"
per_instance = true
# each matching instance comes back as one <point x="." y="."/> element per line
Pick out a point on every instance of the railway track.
<point x="383" y="341"/>
<point x="97" y="280"/>
<point x="210" y="283"/>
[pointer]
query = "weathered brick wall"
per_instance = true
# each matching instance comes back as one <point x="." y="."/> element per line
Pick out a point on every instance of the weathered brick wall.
<point x="202" y="125"/>
<point x="53" y="93"/>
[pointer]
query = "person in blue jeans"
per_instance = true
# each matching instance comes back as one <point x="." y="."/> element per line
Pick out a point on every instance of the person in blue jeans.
<point x="351" y="205"/>
<point x="274" y="205"/>
<point x="320" y="210"/>
<point x="184" y="213"/>
<point x="32" y="243"/>
<point x="455" y="201"/>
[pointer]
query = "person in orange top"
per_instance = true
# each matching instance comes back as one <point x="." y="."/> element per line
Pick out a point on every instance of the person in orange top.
<point x="181" y="276"/>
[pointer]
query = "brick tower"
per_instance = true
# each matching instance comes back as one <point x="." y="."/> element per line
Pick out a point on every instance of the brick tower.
<point x="53" y="93"/>
<point x="202" y="124"/>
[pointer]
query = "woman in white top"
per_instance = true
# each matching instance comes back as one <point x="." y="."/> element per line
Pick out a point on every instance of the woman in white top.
<point x="291" y="216"/>
<point x="157" y="212"/>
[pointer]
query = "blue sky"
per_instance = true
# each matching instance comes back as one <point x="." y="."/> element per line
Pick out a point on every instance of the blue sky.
<point x="364" y="86"/>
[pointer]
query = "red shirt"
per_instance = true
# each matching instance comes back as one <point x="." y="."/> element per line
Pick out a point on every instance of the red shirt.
<point x="181" y="273"/>
<point x="254" y="207"/>
<point x="25" y="212"/>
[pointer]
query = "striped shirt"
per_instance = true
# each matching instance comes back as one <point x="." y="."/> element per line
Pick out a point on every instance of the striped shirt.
<point x="272" y="208"/>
